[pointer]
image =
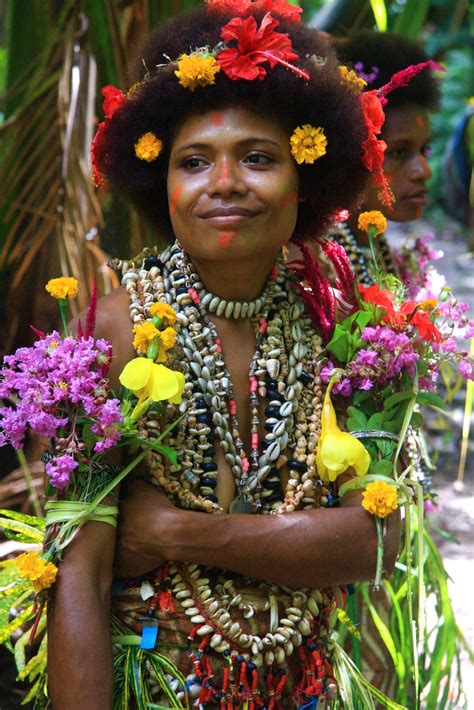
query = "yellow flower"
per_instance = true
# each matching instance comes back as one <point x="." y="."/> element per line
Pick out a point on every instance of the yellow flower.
<point x="351" y="78"/>
<point x="374" y="218"/>
<point x="337" y="450"/>
<point x="197" y="70"/>
<point x="163" y="310"/>
<point x="144" y="334"/>
<point x="308" y="144"/>
<point x="167" y="338"/>
<point x="147" y="379"/>
<point x="32" y="567"/>
<point x="63" y="287"/>
<point x="380" y="499"/>
<point x="148" y="147"/>
<point x="428" y="305"/>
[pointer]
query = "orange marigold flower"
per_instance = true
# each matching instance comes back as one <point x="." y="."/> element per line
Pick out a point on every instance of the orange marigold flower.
<point x="163" y="310"/>
<point x="63" y="287"/>
<point x="374" y="218"/>
<point x="428" y="305"/>
<point x="32" y="567"/>
<point x="168" y="338"/>
<point x="144" y="334"/>
<point x="380" y="499"/>
<point x="148" y="147"/>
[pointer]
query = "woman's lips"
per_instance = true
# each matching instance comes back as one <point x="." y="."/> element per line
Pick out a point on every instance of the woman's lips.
<point x="227" y="216"/>
<point x="417" y="198"/>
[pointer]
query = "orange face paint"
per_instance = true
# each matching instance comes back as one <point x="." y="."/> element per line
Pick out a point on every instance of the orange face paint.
<point x="225" y="171"/>
<point x="217" y="118"/>
<point x="289" y="199"/>
<point x="420" y="121"/>
<point x="225" y="238"/>
<point x="174" y="198"/>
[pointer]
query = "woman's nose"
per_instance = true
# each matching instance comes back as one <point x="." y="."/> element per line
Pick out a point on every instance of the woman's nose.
<point x="420" y="170"/>
<point x="226" y="178"/>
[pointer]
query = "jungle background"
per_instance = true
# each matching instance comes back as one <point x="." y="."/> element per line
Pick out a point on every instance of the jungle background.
<point x="55" y="55"/>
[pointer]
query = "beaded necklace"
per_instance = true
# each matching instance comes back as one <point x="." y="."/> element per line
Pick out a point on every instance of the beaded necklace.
<point x="283" y="373"/>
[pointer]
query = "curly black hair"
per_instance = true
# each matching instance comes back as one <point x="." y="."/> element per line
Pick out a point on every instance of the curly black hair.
<point x="160" y="105"/>
<point x="388" y="53"/>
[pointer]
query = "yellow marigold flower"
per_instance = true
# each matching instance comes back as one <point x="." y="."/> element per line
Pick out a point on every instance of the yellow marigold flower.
<point x="147" y="379"/>
<point x="380" y="499"/>
<point x="32" y="567"/>
<point x="144" y="334"/>
<point x="374" y="218"/>
<point x="197" y="70"/>
<point x="63" y="287"/>
<point x="168" y="338"/>
<point x="148" y="147"/>
<point x="163" y="310"/>
<point x="337" y="450"/>
<point x="308" y="144"/>
<point x="428" y="305"/>
<point x="351" y="78"/>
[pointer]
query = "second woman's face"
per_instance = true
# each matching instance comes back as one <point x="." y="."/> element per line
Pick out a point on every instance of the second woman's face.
<point x="407" y="134"/>
<point x="232" y="186"/>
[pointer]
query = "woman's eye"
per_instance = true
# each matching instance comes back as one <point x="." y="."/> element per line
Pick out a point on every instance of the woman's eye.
<point x="258" y="159"/>
<point x="397" y="153"/>
<point x="192" y="163"/>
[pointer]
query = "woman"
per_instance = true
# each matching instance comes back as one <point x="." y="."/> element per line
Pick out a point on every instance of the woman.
<point x="206" y="153"/>
<point x="377" y="57"/>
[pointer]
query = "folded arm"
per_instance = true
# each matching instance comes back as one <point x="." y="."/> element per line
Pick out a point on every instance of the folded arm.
<point x="312" y="548"/>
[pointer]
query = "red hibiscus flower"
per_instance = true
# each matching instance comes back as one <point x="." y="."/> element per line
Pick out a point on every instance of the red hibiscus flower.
<point x="372" y="109"/>
<point x="113" y="99"/>
<point x="378" y="297"/>
<point x="373" y="153"/>
<point x="97" y="151"/>
<point x="234" y="7"/>
<point x="254" y="48"/>
<point x="426" y="328"/>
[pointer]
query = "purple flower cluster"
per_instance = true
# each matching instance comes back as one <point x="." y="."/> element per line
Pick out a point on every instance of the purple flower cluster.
<point x="390" y="354"/>
<point x="421" y="279"/>
<point x="54" y="385"/>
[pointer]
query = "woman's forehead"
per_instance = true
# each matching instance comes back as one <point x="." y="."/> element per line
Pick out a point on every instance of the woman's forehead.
<point x="408" y="122"/>
<point x="235" y="124"/>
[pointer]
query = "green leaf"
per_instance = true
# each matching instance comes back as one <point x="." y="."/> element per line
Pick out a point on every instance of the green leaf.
<point x="397" y="398"/>
<point x="431" y="399"/>
<point x="380" y="14"/>
<point x="15" y="530"/>
<point x="375" y="421"/>
<point x="356" y="419"/>
<point x="363" y="318"/>
<point x="39" y="523"/>
<point x="340" y="343"/>
<point x="382" y="467"/>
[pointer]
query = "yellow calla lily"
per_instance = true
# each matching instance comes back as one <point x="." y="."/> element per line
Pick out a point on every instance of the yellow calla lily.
<point x="147" y="379"/>
<point x="337" y="450"/>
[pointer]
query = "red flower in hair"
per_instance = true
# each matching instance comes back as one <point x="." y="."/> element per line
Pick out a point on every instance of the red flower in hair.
<point x="240" y="8"/>
<point x="372" y="109"/>
<point x="113" y="99"/>
<point x="254" y="48"/>
<point x="374" y="153"/>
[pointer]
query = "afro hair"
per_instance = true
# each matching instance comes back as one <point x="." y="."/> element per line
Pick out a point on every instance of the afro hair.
<point x="159" y="104"/>
<point x="379" y="55"/>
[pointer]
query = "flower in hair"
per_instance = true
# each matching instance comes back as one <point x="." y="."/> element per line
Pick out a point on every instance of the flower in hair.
<point x="148" y="147"/>
<point x="113" y="99"/>
<point x="308" y="143"/>
<point x="351" y="78"/>
<point x="403" y="77"/>
<point x="197" y="69"/>
<point x="254" y="48"/>
<point x="240" y="8"/>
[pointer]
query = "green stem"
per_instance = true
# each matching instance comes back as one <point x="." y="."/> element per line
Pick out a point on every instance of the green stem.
<point x="62" y="303"/>
<point x="371" y="235"/>
<point x="379" y="567"/>
<point x="35" y="502"/>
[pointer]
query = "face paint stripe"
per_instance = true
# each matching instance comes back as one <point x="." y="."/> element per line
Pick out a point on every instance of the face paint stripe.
<point x="225" y="238"/>
<point x="174" y="198"/>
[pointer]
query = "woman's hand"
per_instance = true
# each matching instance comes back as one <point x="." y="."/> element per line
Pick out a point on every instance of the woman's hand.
<point x="143" y="512"/>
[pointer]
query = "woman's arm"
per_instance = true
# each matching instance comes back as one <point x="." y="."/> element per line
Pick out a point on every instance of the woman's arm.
<point x="79" y="646"/>
<point x="312" y="548"/>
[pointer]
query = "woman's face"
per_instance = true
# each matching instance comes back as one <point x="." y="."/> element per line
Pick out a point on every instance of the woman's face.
<point x="232" y="186"/>
<point x="407" y="134"/>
